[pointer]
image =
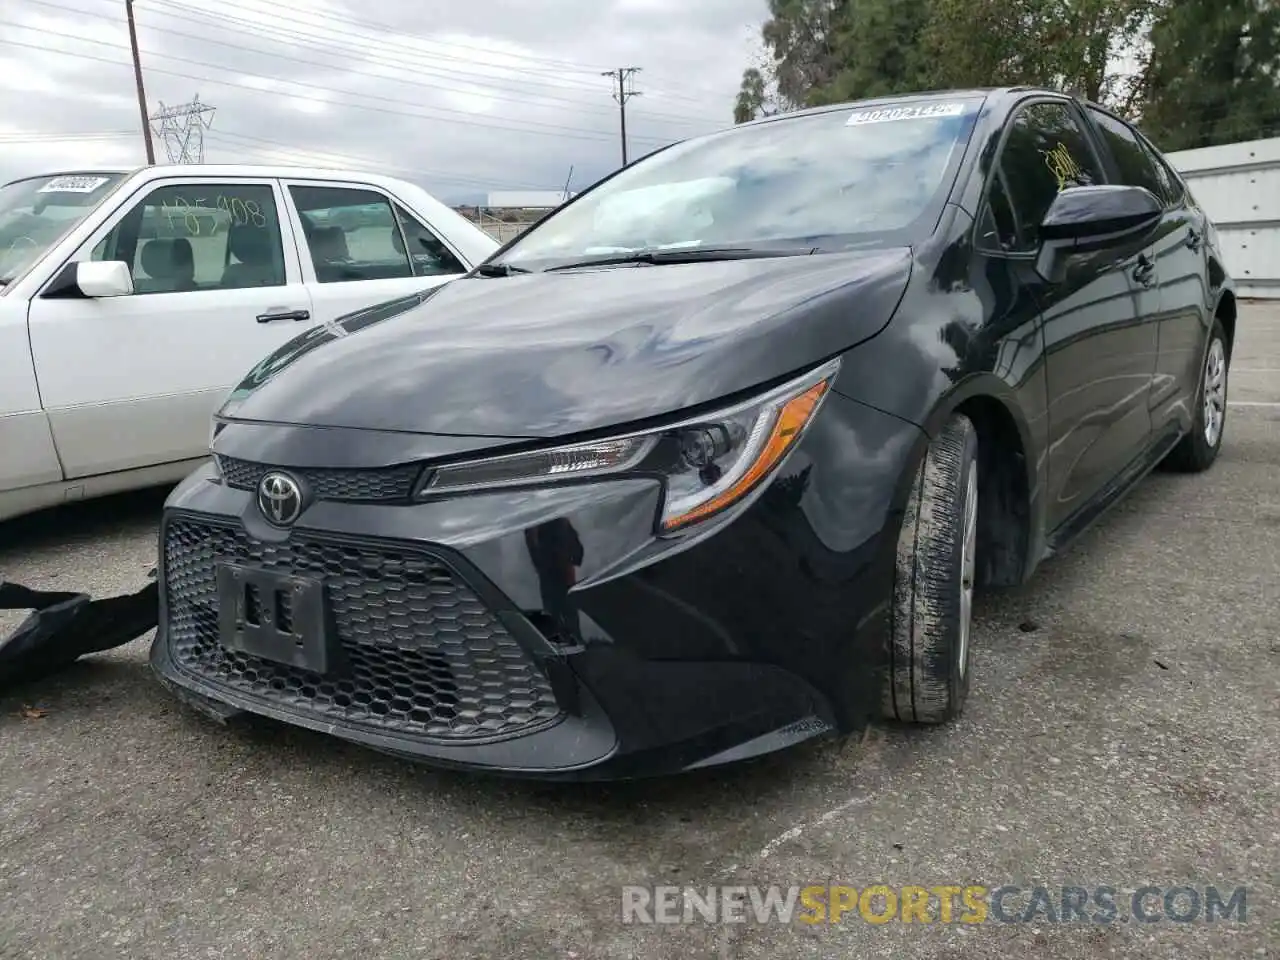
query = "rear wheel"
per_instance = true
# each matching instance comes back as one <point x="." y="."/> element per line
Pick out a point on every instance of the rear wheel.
<point x="1199" y="449"/>
<point x="927" y="677"/>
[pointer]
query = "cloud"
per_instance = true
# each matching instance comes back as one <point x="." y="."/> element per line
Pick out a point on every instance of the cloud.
<point x="462" y="98"/>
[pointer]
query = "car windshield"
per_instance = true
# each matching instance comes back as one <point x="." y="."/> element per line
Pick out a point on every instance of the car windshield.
<point x="861" y="175"/>
<point x="36" y="213"/>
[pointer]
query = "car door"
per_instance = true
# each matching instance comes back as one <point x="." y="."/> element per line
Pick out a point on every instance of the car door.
<point x="1177" y="250"/>
<point x="1098" y="353"/>
<point x="132" y="381"/>
<point x="361" y="247"/>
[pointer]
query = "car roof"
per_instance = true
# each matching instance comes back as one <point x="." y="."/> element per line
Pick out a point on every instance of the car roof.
<point x="888" y="99"/>
<point x="162" y="170"/>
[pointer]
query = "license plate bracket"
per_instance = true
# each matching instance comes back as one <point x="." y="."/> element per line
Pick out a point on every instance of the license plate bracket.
<point x="277" y="617"/>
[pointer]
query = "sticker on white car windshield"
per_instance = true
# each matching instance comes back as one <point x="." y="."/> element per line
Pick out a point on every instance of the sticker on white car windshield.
<point x="74" y="184"/>
<point x="923" y="112"/>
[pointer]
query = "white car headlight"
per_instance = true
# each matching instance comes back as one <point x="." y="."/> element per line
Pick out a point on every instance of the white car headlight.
<point x="707" y="463"/>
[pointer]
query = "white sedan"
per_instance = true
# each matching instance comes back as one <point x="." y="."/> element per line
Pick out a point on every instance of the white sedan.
<point x="132" y="302"/>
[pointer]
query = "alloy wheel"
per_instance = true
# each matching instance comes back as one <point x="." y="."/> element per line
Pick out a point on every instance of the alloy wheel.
<point x="1215" y="392"/>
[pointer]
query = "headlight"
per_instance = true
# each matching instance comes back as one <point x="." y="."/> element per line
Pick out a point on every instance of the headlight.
<point x="708" y="464"/>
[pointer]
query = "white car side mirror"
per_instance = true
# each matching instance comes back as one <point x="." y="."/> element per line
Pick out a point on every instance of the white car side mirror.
<point x="104" y="278"/>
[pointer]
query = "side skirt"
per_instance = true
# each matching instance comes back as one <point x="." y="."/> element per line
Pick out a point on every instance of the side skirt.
<point x="1091" y="512"/>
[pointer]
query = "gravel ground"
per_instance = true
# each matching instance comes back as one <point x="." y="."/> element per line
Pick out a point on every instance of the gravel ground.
<point x="1123" y="730"/>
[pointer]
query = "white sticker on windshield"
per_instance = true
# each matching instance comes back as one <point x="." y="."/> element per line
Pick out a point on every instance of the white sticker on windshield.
<point x="922" y="112"/>
<point x="73" y="184"/>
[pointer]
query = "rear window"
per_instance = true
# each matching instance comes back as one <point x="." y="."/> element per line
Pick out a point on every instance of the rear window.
<point x="843" y="177"/>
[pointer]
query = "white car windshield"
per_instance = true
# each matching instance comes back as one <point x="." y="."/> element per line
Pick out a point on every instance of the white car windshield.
<point x="852" y="176"/>
<point x="36" y="213"/>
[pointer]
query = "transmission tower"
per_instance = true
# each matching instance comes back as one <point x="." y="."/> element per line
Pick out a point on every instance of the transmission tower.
<point x="182" y="128"/>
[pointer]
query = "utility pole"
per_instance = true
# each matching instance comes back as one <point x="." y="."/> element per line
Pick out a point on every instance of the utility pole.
<point x="622" y="94"/>
<point x="137" y="76"/>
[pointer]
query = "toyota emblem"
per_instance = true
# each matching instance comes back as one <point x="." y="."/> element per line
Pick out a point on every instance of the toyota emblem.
<point x="279" y="498"/>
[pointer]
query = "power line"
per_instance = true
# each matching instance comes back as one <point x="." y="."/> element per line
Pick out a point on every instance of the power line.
<point x="561" y="66"/>
<point x="244" y="141"/>
<point x="530" y="127"/>
<point x="25" y="137"/>
<point x="623" y="76"/>
<point x="388" y="37"/>
<point x="381" y="44"/>
<point x="373" y="52"/>
<point x="490" y="90"/>
<point x="367" y="47"/>
<point x="382" y="30"/>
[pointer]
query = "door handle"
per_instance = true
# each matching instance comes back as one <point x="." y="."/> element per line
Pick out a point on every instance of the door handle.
<point x="284" y="315"/>
<point x="1193" y="238"/>
<point x="1145" y="271"/>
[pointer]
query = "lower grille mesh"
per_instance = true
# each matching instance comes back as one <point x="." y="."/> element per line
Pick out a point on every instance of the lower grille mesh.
<point x="425" y="657"/>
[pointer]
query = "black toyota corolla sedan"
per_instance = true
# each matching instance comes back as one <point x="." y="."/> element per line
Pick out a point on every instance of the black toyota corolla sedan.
<point x="711" y="459"/>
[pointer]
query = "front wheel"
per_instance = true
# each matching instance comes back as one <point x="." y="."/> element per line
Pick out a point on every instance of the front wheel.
<point x="927" y="677"/>
<point x="1198" y="450"/>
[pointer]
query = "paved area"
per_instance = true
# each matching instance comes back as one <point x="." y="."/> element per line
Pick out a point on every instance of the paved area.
<point x="1124" y="730"/>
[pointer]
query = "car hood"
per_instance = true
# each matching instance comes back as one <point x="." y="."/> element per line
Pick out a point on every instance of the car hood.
<point x="551" y="354"/>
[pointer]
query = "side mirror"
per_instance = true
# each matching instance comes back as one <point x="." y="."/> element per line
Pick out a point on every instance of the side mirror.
<point x="104" y="278"/>
<point x="1089" y="219"/>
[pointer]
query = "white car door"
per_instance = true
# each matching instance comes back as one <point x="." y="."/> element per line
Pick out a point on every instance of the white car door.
<point x="132" y="381"/>
<point x="361" y="247"/>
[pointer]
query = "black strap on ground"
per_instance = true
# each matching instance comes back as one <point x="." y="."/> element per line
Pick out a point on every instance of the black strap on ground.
<point x="62" y="627"/>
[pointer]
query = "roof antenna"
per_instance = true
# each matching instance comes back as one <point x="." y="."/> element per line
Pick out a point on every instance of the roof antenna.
<point x="566" y="184"/>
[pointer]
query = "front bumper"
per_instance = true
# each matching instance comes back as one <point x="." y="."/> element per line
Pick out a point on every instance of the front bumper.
<point x="471" y="638"/>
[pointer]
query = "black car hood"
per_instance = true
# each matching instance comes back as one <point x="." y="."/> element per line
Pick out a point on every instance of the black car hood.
<point x="551" y="354"/>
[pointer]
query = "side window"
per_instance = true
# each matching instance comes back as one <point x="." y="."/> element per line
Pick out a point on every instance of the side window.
<point x="1046" y="151"/>
<point x="352" y="234"/>
<point x="1169" y="180"/>
<point x="998" y="228"/>
<point x="1135" y="164"/>
<point x="427" y="252"/>
<point x="200" y="236"/>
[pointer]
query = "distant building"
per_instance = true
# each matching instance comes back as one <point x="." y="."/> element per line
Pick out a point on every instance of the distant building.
<point x="527" y="199"/>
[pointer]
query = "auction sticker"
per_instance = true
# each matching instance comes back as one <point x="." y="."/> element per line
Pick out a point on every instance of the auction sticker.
<point x="73" y="184"/>
<point x="923" y="112"/>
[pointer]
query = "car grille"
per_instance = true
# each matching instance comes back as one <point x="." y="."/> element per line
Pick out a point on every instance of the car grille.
<point x="424" y="656"/>
<point x="362" y="485"/>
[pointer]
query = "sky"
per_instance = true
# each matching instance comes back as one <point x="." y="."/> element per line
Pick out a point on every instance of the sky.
<point x="461" y="97"/>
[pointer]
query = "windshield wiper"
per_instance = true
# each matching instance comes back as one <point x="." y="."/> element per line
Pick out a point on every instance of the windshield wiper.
<point x="498" y="270"/>
<point x="686" y="255"/>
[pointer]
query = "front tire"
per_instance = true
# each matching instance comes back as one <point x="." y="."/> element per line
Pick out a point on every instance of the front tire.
<point x="927" y="677"/>
<point x="1198" y="450"/>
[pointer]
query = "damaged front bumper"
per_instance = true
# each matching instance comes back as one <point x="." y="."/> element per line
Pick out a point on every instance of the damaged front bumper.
<point x="64" y="626"/>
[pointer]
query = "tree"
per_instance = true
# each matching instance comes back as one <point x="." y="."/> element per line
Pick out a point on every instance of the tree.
<point x="799" y="57"/>
<point x="1213" y="74"/>
<point x="753" y="97"/>
<point x="825" y="51"/>
<point x="1076" y="45"/>
<point x="876" y="50"/>
<point x="1194" y="72"/>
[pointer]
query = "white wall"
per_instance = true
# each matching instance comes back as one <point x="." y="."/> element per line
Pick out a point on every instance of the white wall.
<point x="1238" y="185"/>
